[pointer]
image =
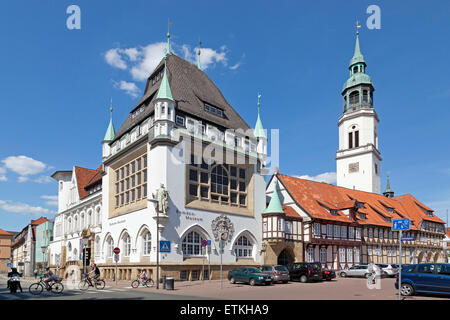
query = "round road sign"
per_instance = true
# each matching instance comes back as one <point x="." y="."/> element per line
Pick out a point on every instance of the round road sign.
<point x="116" y="250"/>
<point x="204" y="243"/>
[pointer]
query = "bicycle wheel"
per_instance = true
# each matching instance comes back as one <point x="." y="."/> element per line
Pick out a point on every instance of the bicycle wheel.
<point x="149" y="283"/>
<point x="83" y="285"/>
<point x="100" y="284"/>
<point x="135" y="284"/>
<point x="36" y="288"/>
<point x="57" y="287"/>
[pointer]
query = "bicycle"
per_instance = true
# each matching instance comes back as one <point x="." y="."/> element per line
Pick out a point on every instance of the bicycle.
<point x="85" y="283"/>
<point x="54" y="286"/>
<point x="144" y="282"/>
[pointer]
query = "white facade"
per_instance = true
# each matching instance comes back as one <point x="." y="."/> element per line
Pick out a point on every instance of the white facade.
<point x="358" y="161"/>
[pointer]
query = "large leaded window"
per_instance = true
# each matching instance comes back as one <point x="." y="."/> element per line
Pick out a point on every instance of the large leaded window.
<point x="224" y="184"/>
<point x="243" y="247"/>
<point x="131" y="182"/>
<point x="192" y="244"/>
<point x="126" y="245"/>
<point x="147" y="242"/>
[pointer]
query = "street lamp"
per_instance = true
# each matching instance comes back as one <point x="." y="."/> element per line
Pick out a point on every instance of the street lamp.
<point x="43" y="254"/>
<point x="157" y="242"/>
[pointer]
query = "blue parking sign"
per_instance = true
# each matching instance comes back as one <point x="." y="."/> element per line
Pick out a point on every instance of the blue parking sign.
<point x="400" y="224"/>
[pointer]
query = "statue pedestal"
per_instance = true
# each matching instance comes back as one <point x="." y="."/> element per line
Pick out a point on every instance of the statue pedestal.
<point x="161" y="219"/>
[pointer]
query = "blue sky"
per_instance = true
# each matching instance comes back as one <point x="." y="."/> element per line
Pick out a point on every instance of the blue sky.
<point x="56" y="83"/>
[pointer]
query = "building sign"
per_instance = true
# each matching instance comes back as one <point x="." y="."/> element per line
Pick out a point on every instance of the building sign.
<point x="116" y="222"/>
<point x="189" y="215"/>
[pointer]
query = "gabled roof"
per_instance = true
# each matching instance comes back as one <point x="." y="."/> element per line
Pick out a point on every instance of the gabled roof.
<point x="95" y="178"/>
<point x="83" y="177"/>
<point x="39" y="221"/>
<point x="191" y="88"/>
<point x="290" y="212"/>
<point x="316" y="197"/>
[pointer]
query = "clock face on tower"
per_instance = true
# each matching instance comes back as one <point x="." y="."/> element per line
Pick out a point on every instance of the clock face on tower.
<point x="353" y="167"/>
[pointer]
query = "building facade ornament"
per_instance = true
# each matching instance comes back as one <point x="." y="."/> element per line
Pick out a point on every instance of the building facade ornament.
<point x="222" y="228"/>
<point x="162" y="195"/>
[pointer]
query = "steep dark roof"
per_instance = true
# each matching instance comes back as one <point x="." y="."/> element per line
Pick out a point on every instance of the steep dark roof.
<point x="191" y="89"/>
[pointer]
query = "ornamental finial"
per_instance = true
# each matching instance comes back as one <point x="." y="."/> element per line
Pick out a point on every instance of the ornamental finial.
<point x="358" y="26"/>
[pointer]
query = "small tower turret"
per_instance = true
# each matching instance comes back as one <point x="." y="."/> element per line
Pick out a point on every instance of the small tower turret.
<point x="109" y="136"/>
<point x="164" y="107"/>
<point x="388" y="193"/>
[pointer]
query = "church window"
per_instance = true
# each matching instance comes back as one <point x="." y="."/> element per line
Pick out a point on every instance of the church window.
<point x="132" y="183"/>
<point x="243" y="247"/>
<point x="192" y="243"/>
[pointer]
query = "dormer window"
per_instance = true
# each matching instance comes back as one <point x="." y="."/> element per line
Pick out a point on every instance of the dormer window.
<point x="334" y="212"/>
<point x="362" y="215"/>
<point x="214" y="110"/>
<point x="179" y="121"/>
<point x="430" y="213"/>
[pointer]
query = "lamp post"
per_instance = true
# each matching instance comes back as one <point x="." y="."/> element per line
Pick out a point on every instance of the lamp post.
<point x="157" y="242"/>
<point x="43" y="248"/>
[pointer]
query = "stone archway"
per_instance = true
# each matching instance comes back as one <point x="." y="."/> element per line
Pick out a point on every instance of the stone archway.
<point x="285" y="257"/>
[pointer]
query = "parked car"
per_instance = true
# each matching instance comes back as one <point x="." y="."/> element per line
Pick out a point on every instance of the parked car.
<point x="305" y="271"/>
<point x="249" y="275"/>
<point x="278" y="273"/>
<point x="328" y="274"/>
<point x="425" y="278"/>
<point x="359" y="270"/>
<point x="388" y="270"/>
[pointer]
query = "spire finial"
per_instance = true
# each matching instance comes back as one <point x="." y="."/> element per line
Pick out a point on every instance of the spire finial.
<point x="168" y="36"/>
<point x="259" y="101"/>
<point x="110" y="132"/>
<point x="111" y="108"/>
<point x="358" y="26"/>
<point x="198" y="55"/>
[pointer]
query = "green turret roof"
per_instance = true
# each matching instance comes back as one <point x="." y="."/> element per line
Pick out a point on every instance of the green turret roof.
<point x="164" y="91"/>
<point x="357" y="56"/>
<point x="275" y="203"/>
<point x="259" y="130"/>
<point x="356" y="79"/>
<point x="388" y="187"/>
<point x="110" y="132"/>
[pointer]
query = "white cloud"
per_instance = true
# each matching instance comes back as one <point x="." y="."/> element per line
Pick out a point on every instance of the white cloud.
<point x="234" y="67"/>
<point x="43" y="179"/>
<point x="149" y="57"/>
<point x="18" y="207"/>
<point x="132" y="53"/>
<point x="24" y="165"/>
<point x="3" y="178"/>
<point x="52" y="200"/>
<point x="129" y="87"/>
<point x="327" y="177"/>
<point x="22" y="179"/>
<point x="209" y="57"/>
<point x="114" y="59"/>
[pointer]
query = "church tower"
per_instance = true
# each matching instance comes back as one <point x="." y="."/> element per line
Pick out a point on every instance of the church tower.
<point x="358" y="159"/>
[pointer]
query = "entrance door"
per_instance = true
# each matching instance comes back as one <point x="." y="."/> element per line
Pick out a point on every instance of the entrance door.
<point x="285" y="258"/>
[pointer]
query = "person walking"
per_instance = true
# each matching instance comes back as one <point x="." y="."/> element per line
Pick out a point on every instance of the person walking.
<point x="36" y="271"/>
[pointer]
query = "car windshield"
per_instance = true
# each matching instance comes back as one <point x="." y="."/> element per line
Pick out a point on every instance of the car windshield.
<point x="394" y="265"/>
<point x="253" y="270"/>
<point x="281" y="268"/>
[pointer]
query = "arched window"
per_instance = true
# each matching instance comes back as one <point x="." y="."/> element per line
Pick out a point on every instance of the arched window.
<point x="75" y="227"/>
<point x="98" y="217"/>
<point x="146" y="243"/>
<point x="69" y="247"/>
<point x="353" y="137"/>
<point x="192" y="244"/>
<point x="243" y="247"/>
<point x="354" y="97"/>
<point x="89" y="219"/>
<point x="365" y="96"/>
<point x="97" y="246"/>
<point x="126" y="245"/>
<point x="82" y="221"/>
<point x="110" y="247"/>
<point x="75" y="254"/>
<point x="69" y="225"/>
<point x="355" y="69"/>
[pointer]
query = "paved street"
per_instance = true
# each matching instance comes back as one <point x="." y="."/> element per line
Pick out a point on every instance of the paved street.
<point x="338" y="289"/>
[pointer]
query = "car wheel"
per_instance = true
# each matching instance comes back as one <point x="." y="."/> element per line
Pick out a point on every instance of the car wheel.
<point x="342" y="274"/>
<point x="407" y="290"/>
<point x="252" y="282"/>
<point x="303" y="279"/>
<point x="232" y="281"/>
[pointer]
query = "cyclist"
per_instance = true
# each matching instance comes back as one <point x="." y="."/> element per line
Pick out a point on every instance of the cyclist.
<point x="143" y="275"/>
<point x="50" y="275"/>
<point x="95" y="272"/>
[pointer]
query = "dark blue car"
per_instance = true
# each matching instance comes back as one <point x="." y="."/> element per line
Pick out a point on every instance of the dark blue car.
<point x="425" y="278"/>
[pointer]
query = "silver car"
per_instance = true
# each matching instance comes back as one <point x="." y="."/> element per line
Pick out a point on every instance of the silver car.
<point x="359" y="270"/>
<point x="388" y="270"/>
<point x="278" y="272"/>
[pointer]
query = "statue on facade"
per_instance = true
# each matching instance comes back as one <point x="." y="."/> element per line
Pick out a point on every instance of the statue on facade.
<point x="162" y="195"/>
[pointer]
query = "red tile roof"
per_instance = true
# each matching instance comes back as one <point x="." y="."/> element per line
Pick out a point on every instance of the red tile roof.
<point x="5" y="233"/>
<point x="290" y="212"/>
<point x="318" y="198"/>
<point x="84" y="176"/>
<point x="39" y="221"/>
<point x="448" y="232"/>
<point x="96" y="178"/>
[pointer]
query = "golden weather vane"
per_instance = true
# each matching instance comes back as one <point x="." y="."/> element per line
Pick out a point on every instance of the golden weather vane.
<point x="358" y="26"/>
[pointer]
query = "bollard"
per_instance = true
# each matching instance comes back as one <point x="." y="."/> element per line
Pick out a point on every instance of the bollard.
<point x="164" y="281"/>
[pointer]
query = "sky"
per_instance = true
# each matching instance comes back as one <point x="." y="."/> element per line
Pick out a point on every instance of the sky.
<point x="56" y="84"/>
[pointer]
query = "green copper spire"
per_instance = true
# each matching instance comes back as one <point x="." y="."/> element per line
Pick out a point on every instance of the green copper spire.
<point x="198" y="56"/>
<point x="259" y="130"/>
<point x="275" y="203"/>
<point x="388" y="192"/>
<point x="168" y="38"/>
<point x="164" y="91"/>
<point x="110" y="132"/>
<point x="357" y="56"/>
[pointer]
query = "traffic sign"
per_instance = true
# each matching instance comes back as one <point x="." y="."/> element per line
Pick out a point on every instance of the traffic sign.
<point x="9" y="265"/>
<point x="400" y="224"/>
<point x="164" y="246"/>
<point x="204" y="243"/>
<point x="116" y="258"/>
<point x="407" y="238"/>
<point x="116" y="250"/>
<point x="209" y="243"/>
